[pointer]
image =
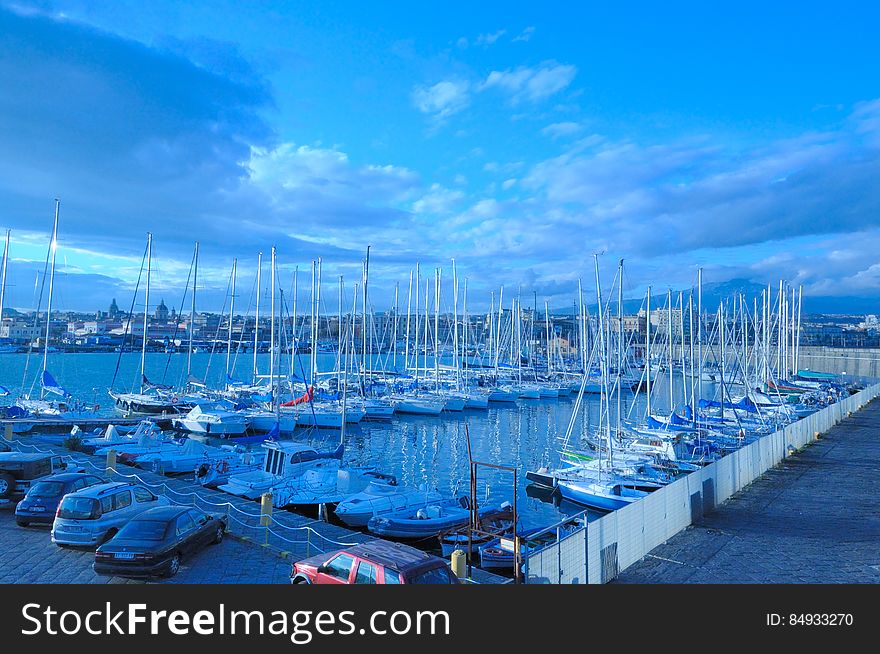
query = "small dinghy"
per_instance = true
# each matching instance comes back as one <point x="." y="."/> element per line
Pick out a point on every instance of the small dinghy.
<point x="425" y="522"/>
<point x="380" y="497"/>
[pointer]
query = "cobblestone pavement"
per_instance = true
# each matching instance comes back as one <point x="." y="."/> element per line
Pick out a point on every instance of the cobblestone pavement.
<point x="812" y="519"/>
<point x="28" y="556"/>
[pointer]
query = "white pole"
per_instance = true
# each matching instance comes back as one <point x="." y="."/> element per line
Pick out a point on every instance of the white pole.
<point x="54" y="248"/>
<point x="146" y="310"/>
<point x="192" y="314"/>
<point x="257" y="316"/>
<point x="231" y="316"/>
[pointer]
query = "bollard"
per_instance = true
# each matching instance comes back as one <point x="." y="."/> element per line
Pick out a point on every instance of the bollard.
<point x="8" y="433"/>
<point x="266" y="513"/>
<point x="458" y="563"/>
<point x="111" y="460"/>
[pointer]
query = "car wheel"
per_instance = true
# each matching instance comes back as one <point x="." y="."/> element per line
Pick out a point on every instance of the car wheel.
<point x="22" y="523"/>
<point x="173" y="565"/>
<point x="110" y="534"/>
<point x="218" y="537"/>
<point x="299" y="579"/>
<point x="7" y="485"/>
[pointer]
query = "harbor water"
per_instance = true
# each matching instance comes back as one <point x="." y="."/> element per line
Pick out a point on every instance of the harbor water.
<point x="416" y="449"/>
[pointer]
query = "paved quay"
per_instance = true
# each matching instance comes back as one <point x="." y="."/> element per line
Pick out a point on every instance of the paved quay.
<point x="28" y="556"/>
<point x="811" y="519"/>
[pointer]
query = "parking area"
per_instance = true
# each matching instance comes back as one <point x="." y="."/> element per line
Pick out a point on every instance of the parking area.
<point x="28" y="556"/>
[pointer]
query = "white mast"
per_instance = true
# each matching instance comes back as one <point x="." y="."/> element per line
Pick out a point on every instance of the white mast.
<point x="437" y="329"/>
<point x="700" y="333"/>
<point x="146" y="310"/>
<point x="498" y="328"/>
<point x="603" y="366"/>
<point x="365" y="363"/>
<point x="339" y="375"/>
<point x="293" y="338"/>
<point x="455" y="326"/>
<point x="231" y="316"/>
<point x="425" y="343"/>
<point x="192" y="314"/>
<point x="408" y="300"/>
<point x="416" y="333"/>
<point x="648" y="350"/>
<point x="257" y="316"/>
<point x="619" y="346"/>
<point x="669" y="347"/>
<point x="547" y="331"/>
<point x="3" y="275"/>
<point x="466" y="320"/>
<point x="396" y="321"/>
<point x="54" y="248"/>
<point x="272" y="326"/>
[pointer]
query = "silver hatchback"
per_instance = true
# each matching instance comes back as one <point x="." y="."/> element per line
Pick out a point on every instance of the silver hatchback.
<point x="93" y="515"/>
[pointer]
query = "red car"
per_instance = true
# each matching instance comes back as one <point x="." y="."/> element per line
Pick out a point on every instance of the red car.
<point x="374" y="562"/>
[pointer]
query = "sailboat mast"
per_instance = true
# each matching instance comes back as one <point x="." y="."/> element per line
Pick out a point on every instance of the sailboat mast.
<point x="408" y="307"/>
<point x="3" y="275"/>
<point x="455" y="327"/>
<point x="294" y="347"/>
<point x="437" y="329"/>
<point x="396" y="321"/>
<point x="425" y="342"/>
<point x="700" y="334"/>
<point x="648" y="350"/>
<point x="603" y="365"/>
<point x="146" y="309"/>
<point x="464" y="336"/>
<point x="316" y="325"/>
<point x="416" y="333"/>
<point x="669" y="347"/>
<point x="192" y="314"/>
<point x="547" y="332"/>
<point x="365" y="362"/>
<point x="272" y="325"/>
<point x="231" y="316"/>
<point x="498" y="327"/>
<point x="257" y="316"/>
<point x="54" y="248"/>
<point x="619" y="346"/>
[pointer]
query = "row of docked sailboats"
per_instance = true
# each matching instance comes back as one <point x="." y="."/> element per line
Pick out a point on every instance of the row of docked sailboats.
<point x="626" y="458"/>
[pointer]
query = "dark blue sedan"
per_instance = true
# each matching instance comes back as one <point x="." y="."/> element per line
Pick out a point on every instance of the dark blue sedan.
<point x="44" y="495"/>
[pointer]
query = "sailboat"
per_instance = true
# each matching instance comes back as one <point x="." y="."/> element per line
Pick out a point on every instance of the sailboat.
<point x="151" y="399"/>
<point x="67" y="407"/>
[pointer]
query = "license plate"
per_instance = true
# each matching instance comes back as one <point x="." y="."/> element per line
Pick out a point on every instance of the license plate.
<point x="38" y="509"/>
<point x="125" y="556"/>
<point x="73" y="529"/>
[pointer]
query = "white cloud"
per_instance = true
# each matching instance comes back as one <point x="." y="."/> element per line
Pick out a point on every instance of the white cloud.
<point x="488" y="39"/>
<point x="437" y="201"/>
<point x="525" y="35"/>
<point x="531" y="83"/>
<point x="559" y="130"/>
<point x="443" y="98"/>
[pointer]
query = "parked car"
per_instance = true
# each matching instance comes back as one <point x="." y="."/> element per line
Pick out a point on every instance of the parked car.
<point x="44" y="495"/>
<point x="19" y="469"/>
<point x="154" y="543"/>
<point x="94" y="515"/>
<point x="374" y="562"/>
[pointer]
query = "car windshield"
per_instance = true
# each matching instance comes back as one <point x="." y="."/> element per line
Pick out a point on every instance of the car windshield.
<point x="438" y="575"/>
<point x="46" y="489"/>
<point x="79" y="508"/>
<point x="153" y="530"/>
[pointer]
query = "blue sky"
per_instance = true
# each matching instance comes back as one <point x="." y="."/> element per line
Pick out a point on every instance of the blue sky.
<point x="518" y="138"/>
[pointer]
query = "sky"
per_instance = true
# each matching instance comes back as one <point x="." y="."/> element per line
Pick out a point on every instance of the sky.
<point x="518" y="139"/>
